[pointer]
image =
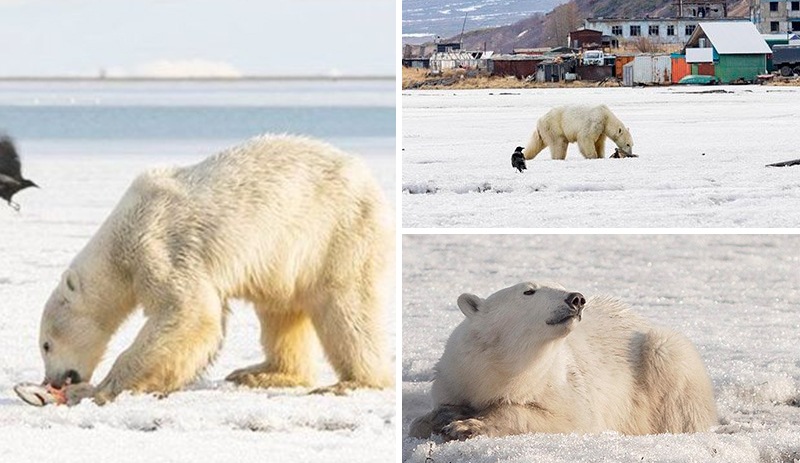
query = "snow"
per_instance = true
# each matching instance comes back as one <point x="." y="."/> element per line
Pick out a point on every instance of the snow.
<point x="735" y="296"/>
<point x="702" y="160"/>
<point x="210" y="421"/>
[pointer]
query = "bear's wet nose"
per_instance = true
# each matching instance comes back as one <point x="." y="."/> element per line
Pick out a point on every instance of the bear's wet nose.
<point x="575" y="300"/>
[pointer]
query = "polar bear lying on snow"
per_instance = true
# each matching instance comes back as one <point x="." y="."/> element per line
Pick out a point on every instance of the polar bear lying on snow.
<point x="307" y="246"/>
<point x="586" y="125"/>
<point x="537" y="358"/>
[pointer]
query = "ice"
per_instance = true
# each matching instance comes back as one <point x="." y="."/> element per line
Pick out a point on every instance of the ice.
<point x="212" y="420"/>
<point x="702" y="160"/>
<point x="735" y="296"/>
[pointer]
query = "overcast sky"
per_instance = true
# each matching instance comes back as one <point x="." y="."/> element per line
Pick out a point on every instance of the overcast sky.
<point x="173" y="37"/>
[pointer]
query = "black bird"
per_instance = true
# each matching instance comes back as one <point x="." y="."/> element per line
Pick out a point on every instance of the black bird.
<point x="11" y="180"/>
<point x="518" y="159"/>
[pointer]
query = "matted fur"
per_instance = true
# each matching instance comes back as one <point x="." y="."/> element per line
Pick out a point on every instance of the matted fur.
<point x="506" y="371"/>
<point x="294" y="225"/>
<point x="588" y="126"/>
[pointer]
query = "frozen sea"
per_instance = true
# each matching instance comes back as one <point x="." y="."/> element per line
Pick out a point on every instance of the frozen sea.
<point x="702" y="160"/>
<point x="736" y="297"/>
<point x="83" y="143"/>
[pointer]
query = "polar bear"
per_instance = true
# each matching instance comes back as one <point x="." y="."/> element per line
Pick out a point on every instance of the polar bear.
<point x="536" y="358"/>
<point x="587" y="125"/>
<point x="293" y="225"/>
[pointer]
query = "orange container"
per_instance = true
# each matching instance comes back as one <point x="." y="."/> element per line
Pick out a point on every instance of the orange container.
<point x="680" y="68"/>
<point x="619" y="63"/>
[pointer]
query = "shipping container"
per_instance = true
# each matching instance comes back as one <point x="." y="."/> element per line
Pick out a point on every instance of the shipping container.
<point x="627" y="75"/>
<point x="621" y="61"/>
<point x="680" y="67"/>
<point x="652" y="69"/>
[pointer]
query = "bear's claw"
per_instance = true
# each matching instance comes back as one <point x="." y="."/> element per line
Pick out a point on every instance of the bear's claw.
<point x="263" y="379"/>
<point x="464" y="429"/>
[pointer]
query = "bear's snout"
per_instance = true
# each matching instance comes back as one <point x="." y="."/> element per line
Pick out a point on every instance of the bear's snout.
<point x="575" y="301"/>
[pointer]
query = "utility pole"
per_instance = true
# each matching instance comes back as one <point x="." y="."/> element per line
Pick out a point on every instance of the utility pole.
<point x="461" y="40"/>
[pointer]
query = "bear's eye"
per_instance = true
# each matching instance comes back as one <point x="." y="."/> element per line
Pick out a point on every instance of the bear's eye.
<point x="529" y="292"/>
<point x="46" y="347"/>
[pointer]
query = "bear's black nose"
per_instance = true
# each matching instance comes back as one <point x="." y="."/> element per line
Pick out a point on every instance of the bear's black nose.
<point x="575" y="300"/>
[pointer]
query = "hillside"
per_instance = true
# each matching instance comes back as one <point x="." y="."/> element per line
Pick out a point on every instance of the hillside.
<point x="550" y="29"/>
<point x="445" y="18"/>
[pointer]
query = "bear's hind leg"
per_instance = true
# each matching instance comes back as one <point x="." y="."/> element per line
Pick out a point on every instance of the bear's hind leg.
<point x="673" y="372"/>
<point x="349" y="330"/>
<point x="286" y="339"/>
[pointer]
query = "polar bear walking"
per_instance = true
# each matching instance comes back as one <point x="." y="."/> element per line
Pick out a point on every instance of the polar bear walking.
<point x="537" y="358"/>
<point x="586" y="125"/>
<point x="308" y="247"/>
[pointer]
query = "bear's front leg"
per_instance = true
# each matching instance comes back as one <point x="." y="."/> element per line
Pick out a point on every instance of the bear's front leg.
<point x="175" y="344"/>
<point x="435" y="421"/>
<point x="465" y="429"/>
<point x="508" y="419"/>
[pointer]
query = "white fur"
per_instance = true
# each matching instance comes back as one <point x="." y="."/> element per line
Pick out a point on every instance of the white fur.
<point x="505" y="371"/>
<point x="588" y="126"/>
<point x="293" y="225"/>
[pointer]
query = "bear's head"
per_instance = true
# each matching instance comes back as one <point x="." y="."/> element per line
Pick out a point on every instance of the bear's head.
<point x="71" y="338"/>
<point x="624" y="140"/>
<point x="516" y="322"/>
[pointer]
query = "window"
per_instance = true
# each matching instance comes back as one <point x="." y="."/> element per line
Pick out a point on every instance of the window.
<point x="773" y="6"/>
<point x="636" y="31"/>
<point x="690" y="29"/>
<point x="616" y="30"/>
<point x="774" y="26"/>
<point x="652" y="30"/>
<point x="796" y="26"/>
<point x="795" y="6"/>
<point x="670" y="30"/>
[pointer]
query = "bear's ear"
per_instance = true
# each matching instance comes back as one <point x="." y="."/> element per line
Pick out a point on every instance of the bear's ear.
<point x="71" y="283"/>
<point x="469" y="304"/>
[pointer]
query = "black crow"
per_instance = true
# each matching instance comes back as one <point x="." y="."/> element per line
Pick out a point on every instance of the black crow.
<point x="11" y="180"/>
<point x="518" y="159"/>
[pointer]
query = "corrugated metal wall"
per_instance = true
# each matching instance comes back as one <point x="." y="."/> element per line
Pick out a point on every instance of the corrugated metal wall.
<point x="680" y="68"/>
<point x="619" y="63"/>
<point x="732" y="67"/>
<point x="652" y="69"/>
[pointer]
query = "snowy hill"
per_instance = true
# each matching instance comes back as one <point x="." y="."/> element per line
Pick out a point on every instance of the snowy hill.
<point x="446" y="17"/>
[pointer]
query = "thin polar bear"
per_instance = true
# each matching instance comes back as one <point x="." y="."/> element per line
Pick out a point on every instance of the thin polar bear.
<point x="295" y="226"/>
<point x="536" y="358"/>
<point x="588" y="126"/>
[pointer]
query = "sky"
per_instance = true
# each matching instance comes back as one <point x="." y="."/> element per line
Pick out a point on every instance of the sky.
<point x="197" y="37"/>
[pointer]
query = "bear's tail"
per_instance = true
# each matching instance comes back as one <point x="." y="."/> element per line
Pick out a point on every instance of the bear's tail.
<point x="535" y="145"/>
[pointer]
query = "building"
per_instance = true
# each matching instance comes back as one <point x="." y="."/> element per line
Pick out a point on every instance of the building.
<point x="663" y="30"/>
<point x="776" y="17"/>
<point x="460" y="59"/>
<point x="520" y="66"/>
<point x="735" y="49"/>
<point x="657" y="30"/>
<point x="702" y="9"/>
<point x="585" y="38"/>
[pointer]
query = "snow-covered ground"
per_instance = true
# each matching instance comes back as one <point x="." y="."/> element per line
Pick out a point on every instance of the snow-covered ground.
<point x="737" y="297"/>
<point x="702" y="160"/>
<point x="212" y="420"/>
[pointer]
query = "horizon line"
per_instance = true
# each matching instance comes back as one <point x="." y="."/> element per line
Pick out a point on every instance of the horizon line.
<point x="273" y="78"/>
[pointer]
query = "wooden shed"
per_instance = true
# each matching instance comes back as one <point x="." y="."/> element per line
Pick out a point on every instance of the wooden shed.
<point x="735" y="49"/>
